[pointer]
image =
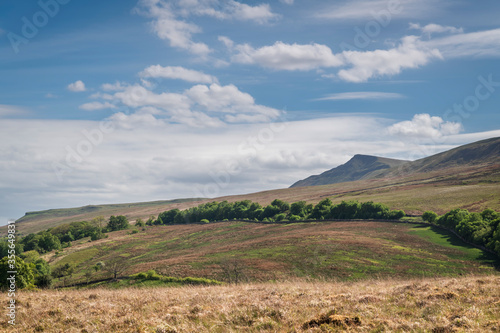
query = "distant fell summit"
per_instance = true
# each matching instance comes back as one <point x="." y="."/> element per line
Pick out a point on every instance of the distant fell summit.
<point x="358" y="167"/>
<point x="370" y="167"/>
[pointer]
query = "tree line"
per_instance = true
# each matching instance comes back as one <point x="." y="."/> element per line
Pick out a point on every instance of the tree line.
<point x="277" y="211"/>
<point x="478" y="228"/>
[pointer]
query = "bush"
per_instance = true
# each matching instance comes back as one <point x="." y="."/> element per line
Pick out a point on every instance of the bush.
<point x="429" y="216"/>
<point x="25" y="276"/>
<point x="205" y="221"/>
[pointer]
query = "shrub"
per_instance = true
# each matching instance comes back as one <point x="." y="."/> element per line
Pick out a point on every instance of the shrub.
<point x="429" y="216"/>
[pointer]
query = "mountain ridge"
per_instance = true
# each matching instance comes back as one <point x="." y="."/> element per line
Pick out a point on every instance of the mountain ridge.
<point x="358" y="167"/>
<point x="363" y="167"/>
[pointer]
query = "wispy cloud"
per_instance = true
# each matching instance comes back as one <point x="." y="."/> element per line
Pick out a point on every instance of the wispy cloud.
<point x="370" y="9"/>
<point x="474" y="44"/>
<point x="365" y="65"/>
<point x="177" y="72"/>
<point x="12" y="111"/>
<point x="360" y="66"/>
<point x="361" y="95"/>
<point x="170" y="19"/>
<point x="93" y="106"/>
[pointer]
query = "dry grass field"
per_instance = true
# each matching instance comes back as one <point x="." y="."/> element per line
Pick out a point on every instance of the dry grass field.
<point x="465" y="304"/>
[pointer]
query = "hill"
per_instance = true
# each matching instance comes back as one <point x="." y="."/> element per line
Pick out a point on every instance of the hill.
<point x="481" y="153"/>
<point x="263" y="252"/>
<point x="485" y="152"/>
<point x="471" y="180"/>
<point x="41" y="220"/>
<point x="359" y="167"/>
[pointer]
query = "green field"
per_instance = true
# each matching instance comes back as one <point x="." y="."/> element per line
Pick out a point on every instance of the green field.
<point x="342" y="251"/>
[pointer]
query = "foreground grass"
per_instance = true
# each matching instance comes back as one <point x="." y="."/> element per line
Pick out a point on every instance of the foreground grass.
<point x="465" y="304"/>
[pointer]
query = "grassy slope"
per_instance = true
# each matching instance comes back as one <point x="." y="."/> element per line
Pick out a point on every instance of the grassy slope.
<point x="41" y="220"/>
<point x="325" y="250"/>
<point x="474" y="188"/>
<point x="465" y="304"/>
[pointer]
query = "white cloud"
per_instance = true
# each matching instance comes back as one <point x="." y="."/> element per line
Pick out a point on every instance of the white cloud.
<point x="169" y="19"/>
<point x="359" y="66"/>
<point x="93" y="106"/>
<point x="77" y="86"/>
<point x="424" y="126"/>
<point x="226" y="41"/>
<point x="290" y="57"/>
<point x="117" y="86"/>
<point x="226" y="10"/>
<point x="243" y="12"/>
<point x="229" y="99"/>
<point x="166" y="26"/>
<point x="176" y="160"/>
<point x="12" y="110"/>
<point x="138" y="96"/>
<point x="369" y="64"/>
<point x="177" y="72"/>
<point x="368" y="95"/>
<point x="371" y="9"/>
<point x="2" y="32"/>
<point x="436" y="28"/>
<point x="288" y="2"/>
<point x="50" y="95"/>
<point x="475" y="44"/>
<point x="200" y="106"/>
<point x="101" y="95"/>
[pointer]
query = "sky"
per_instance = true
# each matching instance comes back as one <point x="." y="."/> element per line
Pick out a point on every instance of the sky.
<point x="128" y="101"/>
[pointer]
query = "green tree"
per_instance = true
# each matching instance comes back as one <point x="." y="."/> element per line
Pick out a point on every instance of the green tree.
<point x="321" y="210"/>
<point x="4" y="248"/>
<point x="298" y="208"/>
<point x="43" y="278"/>
<point x="96" y="234"/>
<point x="150" y="221"/>
<point x="489" y="215"/>
<point x="24" y="278"/>
<point x="429" y="216"/>
<point x="119" y="222"/>
<point x="282" y="205"/>
<point x="48" y="242"/>
<point x="98" y="221"/>
<point x="139" y="223"/>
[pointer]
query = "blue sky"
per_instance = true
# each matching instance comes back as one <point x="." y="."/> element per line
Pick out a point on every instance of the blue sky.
<point x="125" y="101"/>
